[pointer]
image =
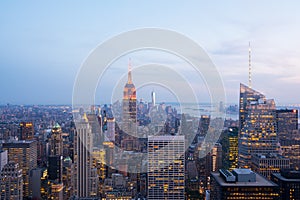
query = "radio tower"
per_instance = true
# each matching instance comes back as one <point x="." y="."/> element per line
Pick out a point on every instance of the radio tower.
<point x="250" y="83"/>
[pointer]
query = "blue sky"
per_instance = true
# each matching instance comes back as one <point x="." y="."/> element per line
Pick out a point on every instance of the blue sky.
<point x="44" y="43"/>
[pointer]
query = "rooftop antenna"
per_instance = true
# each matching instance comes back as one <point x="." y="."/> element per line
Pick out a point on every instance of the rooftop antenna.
<point x="129" y="71"/>
<point x="250" y="81"/>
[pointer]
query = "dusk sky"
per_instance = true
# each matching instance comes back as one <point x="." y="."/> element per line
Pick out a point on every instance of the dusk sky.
<point x="43" y="44"/>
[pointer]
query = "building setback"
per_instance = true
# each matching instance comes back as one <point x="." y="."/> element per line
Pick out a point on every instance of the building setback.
<point x="241" y="184"/>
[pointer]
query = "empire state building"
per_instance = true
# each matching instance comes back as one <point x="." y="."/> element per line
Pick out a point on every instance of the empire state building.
<point x="129" y="117"/>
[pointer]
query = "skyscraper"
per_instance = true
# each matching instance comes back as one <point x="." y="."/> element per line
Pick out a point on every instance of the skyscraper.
<point x="153" y="98"/>
<point x="11" y="184"/>
<point x="289" y="135"/>
<point x="291" y="149"/>
<point x="203" y="125"/>
<point x="129" y="116"/>
<point x="25" y="154"/>
<point x="229" y="143"/>
<point x="257" y="118"/>
<point x="3" y="159"/>
<point x="129" y="105"/>
<point x="26" y="131"/>
<point x="166" y="172"/>
<point x="56" y="151"/>
<point x="287" y="123"/>
<point x="83" y="160"/>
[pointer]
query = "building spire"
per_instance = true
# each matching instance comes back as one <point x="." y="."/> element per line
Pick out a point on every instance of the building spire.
<point x="129" y="72"/>
<point x="250" y="81"/>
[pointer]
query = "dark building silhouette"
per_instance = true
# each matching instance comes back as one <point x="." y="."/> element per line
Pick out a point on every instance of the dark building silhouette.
<point x="289" y="184"/>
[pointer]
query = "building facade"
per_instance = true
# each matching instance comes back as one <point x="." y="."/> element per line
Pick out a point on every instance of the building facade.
<point x="25" y="154"/>
<point x="241" y="184"/>
<point x="84" y="177"/>
<point x="129" y="140"/>
<point x="229" y="143"/>
<point x="266" y="164"/>
<point x="166" y="167"/>
<point x="26" y="131"/>
<point x="258" y="132"/>
<point x="11" y="184"/>
<point x="289" y="184"/>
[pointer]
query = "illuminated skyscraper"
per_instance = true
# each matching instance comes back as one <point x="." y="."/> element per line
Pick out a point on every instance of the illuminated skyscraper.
<point x="166" y="172"/>
<point x="26" y="131"/>
<point x="11" y="184"/>
<point x="230" y="148"/>
<point x="129" y="115"/>
<point x="289" y="135"/>
<point x="55" y="163"/>
<point x="83" y="160"/>
<point x="129" y="105"/>
<point x="291" y="149"/>
<point x="257" y="119"/>
<point x="55" y="158"/>
<point x="25" y="154"/>
<point x="287" y="123"/>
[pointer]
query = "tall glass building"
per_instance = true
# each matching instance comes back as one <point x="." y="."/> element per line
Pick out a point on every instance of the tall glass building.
<point x="257" y="118"/>
<point x="166" y="160"/>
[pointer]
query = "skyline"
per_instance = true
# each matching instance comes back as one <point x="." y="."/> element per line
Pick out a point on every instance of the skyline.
<point x="45" y="43"/>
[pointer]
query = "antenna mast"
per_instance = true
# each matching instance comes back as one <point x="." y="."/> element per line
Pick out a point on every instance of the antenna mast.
<point x="250" y="81"/>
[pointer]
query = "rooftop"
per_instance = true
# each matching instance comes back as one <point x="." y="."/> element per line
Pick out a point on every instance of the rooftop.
<point x="281" y="177"/>
<point x="260" y="180"/>
<point x="242" y="171"/>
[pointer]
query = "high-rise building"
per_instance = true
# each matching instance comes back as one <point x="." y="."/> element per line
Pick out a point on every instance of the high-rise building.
<point x="55" y="159"/>
<point x="25" y="154"/>
<point x="203" y="125"/>
<point x="289" y="135"/>
<point x="129" y="116"/>
<point x="266" y="164"/>
<point x="290" y="148"/>
<point x="209" y="162"/>
<point x="11" y="184"/>
<point x="287" y="123"/>
<point x="26" y="131"/>
<point x="241" y="184"/>
<point x="68" y="172"/>
<point x="153" y="98"/>
<point x="110" y="132"/>
<point x="56" y="141"/>
<point x="257" y="118"/>
<point x="289" y="184"/>
<point x="3" y="159"/>
<point x="56" y="191"/>
<point x="229" y="143"/>
<point x="129" y="105"/>
<point x="83" y="160"/>
<point x="39" y="186"/>
<point x="166" y="171"/>
<point x="216" y="157"/>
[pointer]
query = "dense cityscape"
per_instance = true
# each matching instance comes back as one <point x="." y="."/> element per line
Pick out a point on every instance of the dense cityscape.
<point x="149" y="100"/>
<point x="110" y="152"/>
